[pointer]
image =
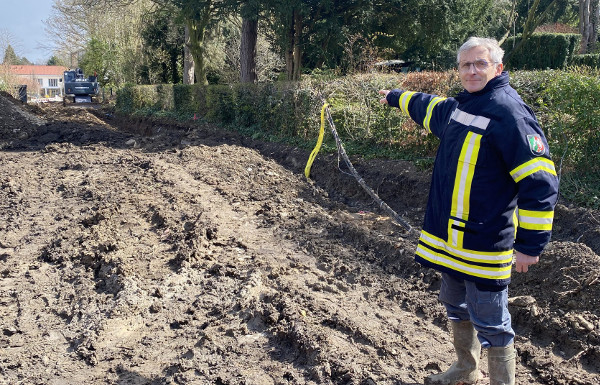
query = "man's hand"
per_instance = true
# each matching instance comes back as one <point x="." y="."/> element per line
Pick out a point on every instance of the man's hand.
<point x="384" y="93"/>
<point x="524" y="261"/>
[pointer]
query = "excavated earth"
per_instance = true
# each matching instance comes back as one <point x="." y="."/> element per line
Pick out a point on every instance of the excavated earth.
<point x="139" y="252"/>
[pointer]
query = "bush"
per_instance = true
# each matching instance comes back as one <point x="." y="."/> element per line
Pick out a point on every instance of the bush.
<point x="183" y="100"/>
<point x="574" y="118"/>
<point x="544" y="51"/>
<point x="588" y="60"/>
<point x="566" y="103"/>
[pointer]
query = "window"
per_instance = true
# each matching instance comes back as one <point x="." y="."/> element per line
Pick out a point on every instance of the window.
<point x="53" y="82"/>
<point x="41" y="82"/>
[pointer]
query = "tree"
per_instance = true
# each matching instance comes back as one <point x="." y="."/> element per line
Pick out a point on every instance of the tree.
<point x="55" y="61"/>
<point x="589" y="20"/>
<point x="197" y="22"/>
<point x="10" y="57"/>
<point x="290" y="23"/>
<point x="96" y="60"/>
<point x="163" y="47"/>
<point x="249" y="12"/>
<point x="117" y="24"/>
<point x="188" y="59"/>
<point x="428" y="32"/>
<point x="536" y="15"/>
<point x="198" y="17"/>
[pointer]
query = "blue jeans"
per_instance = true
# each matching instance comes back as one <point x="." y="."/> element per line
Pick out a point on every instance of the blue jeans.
<point x="487" y="310"/>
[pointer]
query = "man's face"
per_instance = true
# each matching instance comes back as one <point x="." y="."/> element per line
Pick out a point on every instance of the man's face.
<point x="476" y="68"/>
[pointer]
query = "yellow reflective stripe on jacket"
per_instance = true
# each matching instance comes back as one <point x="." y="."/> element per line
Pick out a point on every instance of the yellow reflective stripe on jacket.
<point x="455" y="236"/>
<point x="461" y="194"/>
<point x="432" y="104"/>
<point x="435" y="250"/>
<point x="404" y="99"/>
<point x="515" y="220"/>
<point x="531" y="167"/>
<point x="535" y="220"/>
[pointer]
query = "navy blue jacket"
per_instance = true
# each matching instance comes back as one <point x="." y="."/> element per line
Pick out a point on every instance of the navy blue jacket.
<point x="494" y="185"/>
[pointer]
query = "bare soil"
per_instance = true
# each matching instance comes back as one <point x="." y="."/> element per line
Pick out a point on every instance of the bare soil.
<point x="135" y="251"/>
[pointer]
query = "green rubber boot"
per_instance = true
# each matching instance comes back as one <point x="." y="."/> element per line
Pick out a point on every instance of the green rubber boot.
<point x="501" y="365"/>
<point x="468" y="349"/>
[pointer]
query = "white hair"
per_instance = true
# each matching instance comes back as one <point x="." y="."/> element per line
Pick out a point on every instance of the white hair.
<point x="496" y="53"/>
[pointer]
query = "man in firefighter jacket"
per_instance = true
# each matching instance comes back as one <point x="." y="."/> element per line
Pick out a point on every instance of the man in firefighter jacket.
<point x="493" y="191"/>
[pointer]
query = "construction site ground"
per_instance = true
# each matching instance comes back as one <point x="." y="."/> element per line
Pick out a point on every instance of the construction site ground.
<point x="136" y="251"/>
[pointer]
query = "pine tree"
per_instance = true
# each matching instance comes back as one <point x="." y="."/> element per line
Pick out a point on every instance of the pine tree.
<point x="10" y="57"/>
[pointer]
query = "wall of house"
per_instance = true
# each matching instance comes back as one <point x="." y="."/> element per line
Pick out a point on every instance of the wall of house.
<point x="43" y="86"/>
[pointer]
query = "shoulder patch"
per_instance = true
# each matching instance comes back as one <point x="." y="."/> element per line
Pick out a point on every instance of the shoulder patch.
<point x="536" y="145"/>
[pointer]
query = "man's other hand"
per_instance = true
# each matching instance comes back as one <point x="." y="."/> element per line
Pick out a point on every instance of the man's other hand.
<point x="523" y="261"/>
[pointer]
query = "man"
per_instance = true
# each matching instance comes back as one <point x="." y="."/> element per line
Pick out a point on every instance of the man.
<point x="493" y="190"/>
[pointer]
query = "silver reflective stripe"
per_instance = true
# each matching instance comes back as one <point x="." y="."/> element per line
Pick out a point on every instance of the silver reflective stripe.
<point x="470" y="120"/>
<point x="535" y="221"/>
<point x="469" y="255"/>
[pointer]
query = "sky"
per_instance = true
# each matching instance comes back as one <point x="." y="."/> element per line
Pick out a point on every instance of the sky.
<point x="22" y="21"/>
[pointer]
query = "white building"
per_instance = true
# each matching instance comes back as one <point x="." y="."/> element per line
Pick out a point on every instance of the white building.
<point x="41" y="81"/>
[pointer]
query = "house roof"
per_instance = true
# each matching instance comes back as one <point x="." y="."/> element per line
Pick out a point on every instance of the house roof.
<point x="37" y="70"/>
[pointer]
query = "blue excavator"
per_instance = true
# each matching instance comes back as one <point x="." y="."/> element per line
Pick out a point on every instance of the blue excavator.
<point x="82" y="89"/>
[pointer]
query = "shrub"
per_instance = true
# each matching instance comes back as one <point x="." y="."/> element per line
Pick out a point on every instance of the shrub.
<point x="566" y="103"/>
<point x="183" y="100"/>
<point x="588" y="60"/>
<point x="574" y="119"/>
<point x="544" y="51"/>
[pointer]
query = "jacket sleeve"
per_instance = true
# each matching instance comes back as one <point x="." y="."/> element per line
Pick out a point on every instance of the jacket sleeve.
<point x="525" y="152"/>
<point x="430" y="111"/>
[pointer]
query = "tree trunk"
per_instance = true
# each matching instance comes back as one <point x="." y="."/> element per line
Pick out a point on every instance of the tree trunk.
<point x="248" y="50"/>
<point x="297" y="45"/>
<point x="511" y="21"/>
<point x="197" y="48"/>
<point x="188" y="60"/>
<point x="175" y="55"/>
<point x="528" y="29"/>
<point x="289" y="52"/>
<point x="197" y="24"/>
<point x="595" y="22"/>
<point x="584" y="24"/>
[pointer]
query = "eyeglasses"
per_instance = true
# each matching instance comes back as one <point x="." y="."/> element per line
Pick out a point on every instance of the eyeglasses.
<point x="480" y="65"/>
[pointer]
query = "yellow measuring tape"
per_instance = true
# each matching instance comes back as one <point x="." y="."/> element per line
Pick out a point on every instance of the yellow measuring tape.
<point x="315" y="151"/>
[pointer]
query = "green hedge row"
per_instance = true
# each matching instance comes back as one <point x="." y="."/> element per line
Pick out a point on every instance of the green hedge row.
<point x="543" y="51"/>
<point x="567" y="105"/>
<point x="589" y="60"/>
<point x="282" y="110"/>
<point x="274" y="108"/>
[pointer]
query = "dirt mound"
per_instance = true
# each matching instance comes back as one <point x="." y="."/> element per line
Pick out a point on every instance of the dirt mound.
<point x="135" y="251"/>
<point x="18" y="120"/>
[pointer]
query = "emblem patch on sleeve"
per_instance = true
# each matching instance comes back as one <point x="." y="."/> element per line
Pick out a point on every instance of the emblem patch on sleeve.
<point x="536" y="145"/>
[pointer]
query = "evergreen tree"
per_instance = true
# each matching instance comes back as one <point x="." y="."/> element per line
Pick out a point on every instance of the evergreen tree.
<point x="55" y="61"/>
<point x="163" y="47"/>
<point x="10" y="57"/>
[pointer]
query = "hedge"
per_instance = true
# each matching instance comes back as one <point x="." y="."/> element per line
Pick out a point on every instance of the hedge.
<point x="542" y="51"/>
<point x="566" y="103"/>
<point x="588" y="60"/>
